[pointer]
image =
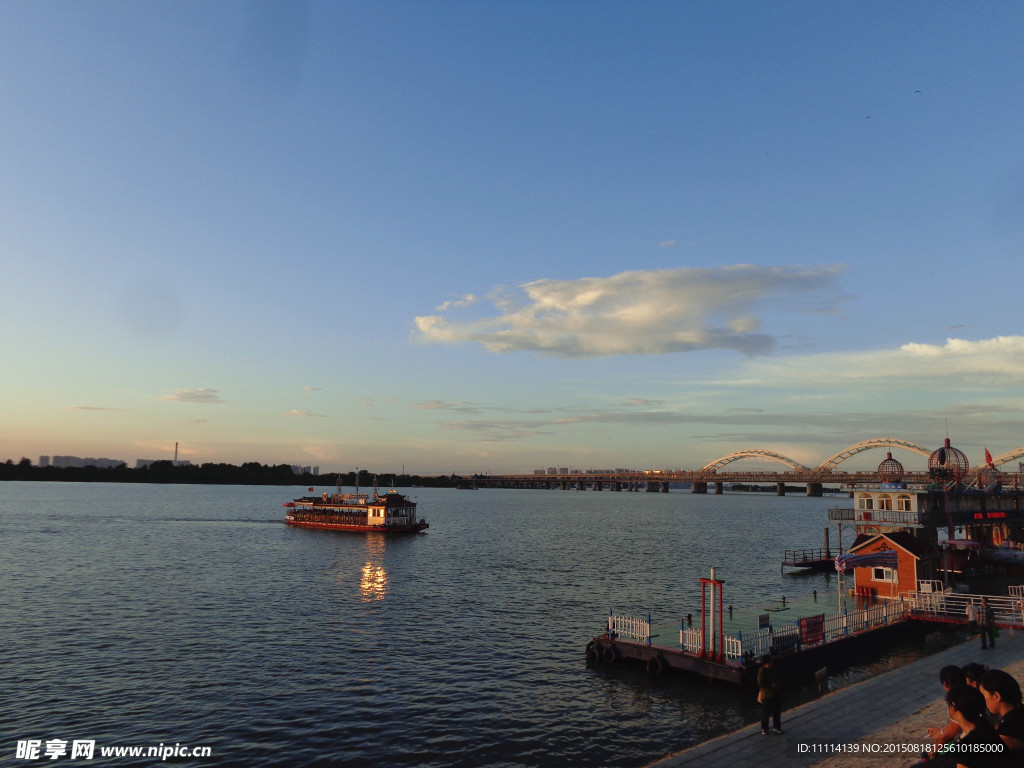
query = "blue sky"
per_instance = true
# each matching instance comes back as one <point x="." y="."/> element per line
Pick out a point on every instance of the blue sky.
<point x="463" y="236"/>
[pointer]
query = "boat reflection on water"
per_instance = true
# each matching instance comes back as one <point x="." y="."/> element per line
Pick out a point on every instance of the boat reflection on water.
<point x="373" y="579"/>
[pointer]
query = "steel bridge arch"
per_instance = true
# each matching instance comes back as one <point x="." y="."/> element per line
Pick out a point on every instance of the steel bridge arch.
<point x="1008" y="456"/>
<point x="753" y="453"/>
<point x="829" y="464"/>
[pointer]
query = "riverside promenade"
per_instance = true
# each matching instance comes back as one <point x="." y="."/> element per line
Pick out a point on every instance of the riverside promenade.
<point x="893" y="708"/>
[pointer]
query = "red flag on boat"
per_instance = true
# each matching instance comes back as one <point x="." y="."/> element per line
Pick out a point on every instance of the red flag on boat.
<point x="311" y="487"/>
<point x="988" y="457"/>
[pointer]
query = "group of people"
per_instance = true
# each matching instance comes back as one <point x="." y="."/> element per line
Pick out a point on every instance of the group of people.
<point x="986" y="720"/>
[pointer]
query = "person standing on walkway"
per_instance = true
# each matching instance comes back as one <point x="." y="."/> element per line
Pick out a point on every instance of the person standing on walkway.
<point x="986" y="621"/>
<point x="769" y="692"/>
<point x="972" y="618"/>
<point x="1003" y="699"/>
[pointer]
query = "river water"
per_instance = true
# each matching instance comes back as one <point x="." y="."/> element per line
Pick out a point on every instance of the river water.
<point x="191" y="615"/>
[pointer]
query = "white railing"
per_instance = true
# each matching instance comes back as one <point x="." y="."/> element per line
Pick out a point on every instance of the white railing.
<point x="743" y="648"/>
<point x="691" y="640"/>
<point x="756" y="644"/>
<point x="787" y="637"/>
<point x="888" y="516"/>
<point x="836" y="625"/>
<point x="733" y="647"/>
<point x="631" y="627"/>
<point x="842" y="624"/>
<point x="1007" y="609"/>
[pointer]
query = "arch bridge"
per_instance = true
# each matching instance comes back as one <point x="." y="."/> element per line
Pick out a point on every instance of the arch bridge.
<point x="711" y="474"/>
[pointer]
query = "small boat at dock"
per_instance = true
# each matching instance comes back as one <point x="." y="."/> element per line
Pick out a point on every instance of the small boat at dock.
<point x="391" y="512"/>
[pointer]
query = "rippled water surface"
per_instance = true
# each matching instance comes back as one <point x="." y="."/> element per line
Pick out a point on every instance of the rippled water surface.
<point x="145" y="614"/>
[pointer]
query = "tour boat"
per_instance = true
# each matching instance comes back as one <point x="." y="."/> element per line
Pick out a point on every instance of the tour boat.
<point x="388" y="513"/>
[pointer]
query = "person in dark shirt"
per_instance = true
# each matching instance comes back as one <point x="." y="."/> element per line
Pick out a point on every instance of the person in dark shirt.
<point x="980" y="745"/>
<point x="768" y="694"/>
<point x="986" y="622"/>
<point x="1003" y="699"/>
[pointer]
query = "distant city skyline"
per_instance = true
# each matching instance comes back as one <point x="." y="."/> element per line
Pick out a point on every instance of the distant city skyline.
<point x="866" y="456"/>
<point x="503" y="236"/>
<point x="59" y="461"/>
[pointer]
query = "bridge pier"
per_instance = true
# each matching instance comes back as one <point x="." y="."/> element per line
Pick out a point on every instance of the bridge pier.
<point x="598" y="485"/>
<point x="780" y="489"/>
<point x="814" y="489"/>
<point x="719" y="488"/>
<point x="616" y="485"/>
<point x="699" y="487"/>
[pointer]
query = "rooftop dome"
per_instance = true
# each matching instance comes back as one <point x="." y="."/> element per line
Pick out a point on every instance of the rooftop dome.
<point x="890" y="470"/>
<point x="948" y="464"/>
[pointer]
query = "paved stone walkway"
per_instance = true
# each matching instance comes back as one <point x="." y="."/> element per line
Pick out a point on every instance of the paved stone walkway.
<point x="846" y="715"/>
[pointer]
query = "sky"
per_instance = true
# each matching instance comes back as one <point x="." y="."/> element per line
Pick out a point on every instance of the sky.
<point x="496" y="237"/>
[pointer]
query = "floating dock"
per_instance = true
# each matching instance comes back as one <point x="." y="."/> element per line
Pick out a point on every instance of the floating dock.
<point x="820" y="559"/>
<point x="799" y="635"/>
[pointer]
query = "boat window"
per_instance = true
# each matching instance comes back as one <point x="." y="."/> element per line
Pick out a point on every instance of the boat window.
<point x="866" y="502"/>
<point x="903" y="503"/>
<point x="885" y="502"/>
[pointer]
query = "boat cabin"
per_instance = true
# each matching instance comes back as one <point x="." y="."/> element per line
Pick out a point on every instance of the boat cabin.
<point x="391" y="509"/>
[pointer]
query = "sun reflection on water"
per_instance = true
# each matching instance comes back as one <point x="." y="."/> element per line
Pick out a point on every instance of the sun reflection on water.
<point x="373" y="580"/>
<point x="373" y="583"/>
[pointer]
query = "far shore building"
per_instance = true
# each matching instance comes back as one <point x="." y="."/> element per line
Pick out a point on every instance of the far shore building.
<point x="76" y="461"/>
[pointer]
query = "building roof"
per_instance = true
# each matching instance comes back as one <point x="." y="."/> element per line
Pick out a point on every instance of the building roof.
<point x="917" y="547"/>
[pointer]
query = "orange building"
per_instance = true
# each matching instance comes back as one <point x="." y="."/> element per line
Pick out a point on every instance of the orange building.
<point x="916" y="560"/>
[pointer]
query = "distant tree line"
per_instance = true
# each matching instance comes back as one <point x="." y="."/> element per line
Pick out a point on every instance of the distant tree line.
<point x="250" y="473"/>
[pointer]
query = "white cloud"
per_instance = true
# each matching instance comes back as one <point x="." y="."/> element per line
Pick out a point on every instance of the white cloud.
<point x="304" y="414"/>
<point x="985" y="364"/>
<point x="195" y="395"/>
<point x="649" y="312"/>
<point x="433" y="405"/>
<point x="465" y="301"/>
<point x="638" y="402"/>
<point x="822" y="402"/>
<point x="322" y="452"/>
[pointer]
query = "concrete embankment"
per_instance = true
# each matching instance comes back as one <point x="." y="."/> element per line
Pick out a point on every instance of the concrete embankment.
<point x="891" y="711"/>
